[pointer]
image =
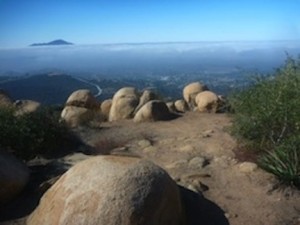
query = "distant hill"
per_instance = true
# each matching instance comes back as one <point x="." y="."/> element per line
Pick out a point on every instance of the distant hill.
<point x="55" y="42"/>
<point x="48" y="89"/>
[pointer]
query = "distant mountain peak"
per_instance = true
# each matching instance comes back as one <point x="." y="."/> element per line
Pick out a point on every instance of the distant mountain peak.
<point x="55" y="42"/>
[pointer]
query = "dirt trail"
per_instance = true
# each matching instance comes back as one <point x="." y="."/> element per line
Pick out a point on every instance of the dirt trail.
<point x="197" y="151"/>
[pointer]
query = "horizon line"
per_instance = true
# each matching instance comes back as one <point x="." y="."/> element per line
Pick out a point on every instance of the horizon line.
<point x="151" y="43"/>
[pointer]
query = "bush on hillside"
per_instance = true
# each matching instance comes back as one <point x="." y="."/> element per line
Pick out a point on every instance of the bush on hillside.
<point x="284" y="161"/>
<point x="267" y="116"/>
<point x="38" y="133"/>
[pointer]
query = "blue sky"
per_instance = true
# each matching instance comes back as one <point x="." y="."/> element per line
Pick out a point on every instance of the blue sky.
<point x="23" y="22"/>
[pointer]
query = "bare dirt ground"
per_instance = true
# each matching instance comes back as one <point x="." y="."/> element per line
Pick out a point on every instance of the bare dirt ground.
<point x="198" y="153"/>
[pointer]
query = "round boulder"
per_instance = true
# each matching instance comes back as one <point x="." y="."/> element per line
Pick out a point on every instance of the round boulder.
<point x="110" y="190"/>
<point x="207" y="101"/>
<point x="83" y="98"/>
<point x="153" y="111"/>
<point x="105" y="107"/>
<point x="147" y="96"/>
<point x="191" y="90"/>
<point x="76" y="116"/>
<point x="26" y="106"/>
<point x="124" y="103"/>
<point x="14" y="176"/>
<point x="181" y="106"/>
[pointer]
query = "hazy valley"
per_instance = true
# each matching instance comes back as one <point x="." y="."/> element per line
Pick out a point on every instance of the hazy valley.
<point x="48" y="74"/>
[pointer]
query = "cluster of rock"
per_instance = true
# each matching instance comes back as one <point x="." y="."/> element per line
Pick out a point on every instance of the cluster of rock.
<point x="80" y="108"/>
<point x="108" y="189"/>
<point x="127" y="103"/>
<point x="21" y="106"/>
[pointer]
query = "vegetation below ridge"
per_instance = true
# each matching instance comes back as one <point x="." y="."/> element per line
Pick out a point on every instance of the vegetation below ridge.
<point x="267" y="118"/>
<point x="37" y="133"/>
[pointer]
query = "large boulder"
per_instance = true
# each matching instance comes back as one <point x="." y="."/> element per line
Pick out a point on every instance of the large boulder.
<point x="124" y="103"/>
<point x="5" y="100"/>
<point x="153" y="111"/>
<point x="105" y="108"/>
<point x="181" y="106"/>
<point x="83" y="98"/>
<point x="147" y="96"/>
<point x="76" y="116"/>
<point x="14" y="175"/>
<point x="110" y="190"/>
<point x="26" y="106"/>
<point x="207" y="101"/>
<point x="191" y="90"/>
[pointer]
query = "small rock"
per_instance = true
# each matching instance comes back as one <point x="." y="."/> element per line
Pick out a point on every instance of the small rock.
<point x="150" y="149"/>
<point x="197" y="187"/>
<point x="192" y="188"/>
<point x="229" y="215"/>
<point x="177" y="179"/>
<point x="187" y="148"/>
<point x="73" y="158"/>
<point x="200" y="186"/>
<point x="179" y="163"/>
<point x="43" y="187"/>
<point x="197" y="162"/>
<point x="207" y="133"/>
<point x="247" y="167"/>
<point x="167" y="141"/>
<point x="144" y="143"/>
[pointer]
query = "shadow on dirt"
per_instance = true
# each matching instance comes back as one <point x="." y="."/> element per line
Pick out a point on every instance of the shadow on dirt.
<point x="201" y="211"/>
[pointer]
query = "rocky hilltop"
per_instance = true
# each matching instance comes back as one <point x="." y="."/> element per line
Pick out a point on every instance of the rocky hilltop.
<point x="51" y="43"/>
<point x="146" y="161"/>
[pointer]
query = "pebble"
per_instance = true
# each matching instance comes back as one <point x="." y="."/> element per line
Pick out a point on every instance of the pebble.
<point x="150" y="149"/>
<point x="229" y="215"/>
<point x="247" y="167"/>
<point x="144" y="143"/>
<point x="187" y="148"/>
<point x="176" y="164"/>
<point x="197" y="162"/>
<point x="207" y="133"/>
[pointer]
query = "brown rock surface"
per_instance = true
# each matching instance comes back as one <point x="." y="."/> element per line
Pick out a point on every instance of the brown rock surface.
<point x="26" y="106"/>
<point x="124" y="103"/>
<point x="111" y="190"/>
<point x="181" y="106"/>
<point x="198" y="153"/>
<point x="207" y="101"/>
<point x="147" y="96"/>
<point x="191" y="90"/>
<point x="153" y="111"/>
<point x="83" y="98"/>
<point x="105" y="107"/>
<point x="76" y="116"/>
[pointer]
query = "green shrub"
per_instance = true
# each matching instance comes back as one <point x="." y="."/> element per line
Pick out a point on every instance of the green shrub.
<point x="38" y="133"/>
<point x="267" y="117"/>
<point x="268" y="112"/>
<point x="284" y="161"/>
